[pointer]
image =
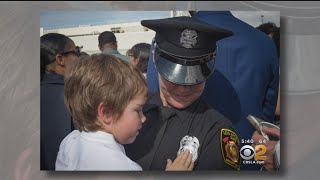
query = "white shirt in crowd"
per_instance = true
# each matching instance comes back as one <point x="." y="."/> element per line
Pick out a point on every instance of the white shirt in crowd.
<point x="93" y="151"/>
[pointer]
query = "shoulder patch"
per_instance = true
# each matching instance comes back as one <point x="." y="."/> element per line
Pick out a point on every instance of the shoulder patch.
<point x="230" y="144"/>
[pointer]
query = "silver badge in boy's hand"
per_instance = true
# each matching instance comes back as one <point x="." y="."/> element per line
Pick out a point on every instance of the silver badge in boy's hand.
<point x="190" y="143"/>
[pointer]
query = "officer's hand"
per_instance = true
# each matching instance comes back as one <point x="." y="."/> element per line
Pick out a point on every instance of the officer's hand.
<point x="182" y="163"/>
<point x="271" y="131"/>
<point x="259" y="139"/>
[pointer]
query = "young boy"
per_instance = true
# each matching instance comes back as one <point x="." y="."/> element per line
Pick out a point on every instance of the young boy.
<point x="105" y="97"/>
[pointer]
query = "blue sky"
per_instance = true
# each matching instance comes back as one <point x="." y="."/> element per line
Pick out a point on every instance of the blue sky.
<point x="64" y="18"/>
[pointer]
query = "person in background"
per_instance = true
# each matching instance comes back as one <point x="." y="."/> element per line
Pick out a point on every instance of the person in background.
<point x="107" y="114"/>
<point x="272" y="154"/>
<point x="177" y="116"/>
<point x="273" y="32"/>
<point x="108" y="45"/>
<point x="139" y="56"/>
<point x="57" y="53"/>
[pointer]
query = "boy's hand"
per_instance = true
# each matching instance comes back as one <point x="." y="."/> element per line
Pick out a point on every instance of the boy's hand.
<point x="182" y="163"/>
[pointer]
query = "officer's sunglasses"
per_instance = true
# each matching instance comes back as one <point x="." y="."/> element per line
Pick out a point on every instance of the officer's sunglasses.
<point x="77" y="51"/>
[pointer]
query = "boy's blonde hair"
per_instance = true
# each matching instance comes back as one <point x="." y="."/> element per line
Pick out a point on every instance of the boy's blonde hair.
<point x="100" y="79"/>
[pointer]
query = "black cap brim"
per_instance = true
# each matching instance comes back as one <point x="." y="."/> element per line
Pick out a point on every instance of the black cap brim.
<point x="181" y="74"/>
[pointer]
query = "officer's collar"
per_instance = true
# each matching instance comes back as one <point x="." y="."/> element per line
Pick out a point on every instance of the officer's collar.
<point x="189" y="111"/>
<point x="154" y="101"/>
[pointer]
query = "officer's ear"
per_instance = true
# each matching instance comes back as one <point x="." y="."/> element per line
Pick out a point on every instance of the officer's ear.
<point x="102" y="116"/>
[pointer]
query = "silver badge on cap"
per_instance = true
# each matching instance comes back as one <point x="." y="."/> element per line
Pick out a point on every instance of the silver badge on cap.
<point x="190" y="143"/>
<point x="188" y="38"/>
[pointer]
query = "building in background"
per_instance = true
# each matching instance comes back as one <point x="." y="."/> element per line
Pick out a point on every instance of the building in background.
<point x="129" y="34"/>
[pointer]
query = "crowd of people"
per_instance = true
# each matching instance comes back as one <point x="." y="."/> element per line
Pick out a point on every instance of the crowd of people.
<point x="179" y="103"/>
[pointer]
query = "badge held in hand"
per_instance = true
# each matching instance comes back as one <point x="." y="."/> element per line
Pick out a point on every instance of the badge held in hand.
<point x="190" y="143"/>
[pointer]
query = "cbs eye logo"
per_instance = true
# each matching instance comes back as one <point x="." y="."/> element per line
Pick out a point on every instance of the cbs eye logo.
<point x="247" y="152"/>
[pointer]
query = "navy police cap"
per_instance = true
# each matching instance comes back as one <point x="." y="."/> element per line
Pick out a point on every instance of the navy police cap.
<point x="185" y="48"/>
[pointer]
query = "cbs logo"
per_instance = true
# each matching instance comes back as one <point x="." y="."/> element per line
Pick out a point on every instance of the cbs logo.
<point x="247" y="152"/>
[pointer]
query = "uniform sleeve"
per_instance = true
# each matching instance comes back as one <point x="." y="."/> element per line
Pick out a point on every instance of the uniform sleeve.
<point x="220" y="149"/>
<point x="270" y="101"/>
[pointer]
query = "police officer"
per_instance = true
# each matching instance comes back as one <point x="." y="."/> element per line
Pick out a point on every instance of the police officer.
<point x="177" y="117"/>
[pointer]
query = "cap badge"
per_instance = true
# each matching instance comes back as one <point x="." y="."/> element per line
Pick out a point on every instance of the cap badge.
<point x="188" y="38"/>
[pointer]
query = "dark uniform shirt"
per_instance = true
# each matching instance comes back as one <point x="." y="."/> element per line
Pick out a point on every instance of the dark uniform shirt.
<point x="55" y="119"/>
<point x="160" y="137"/>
